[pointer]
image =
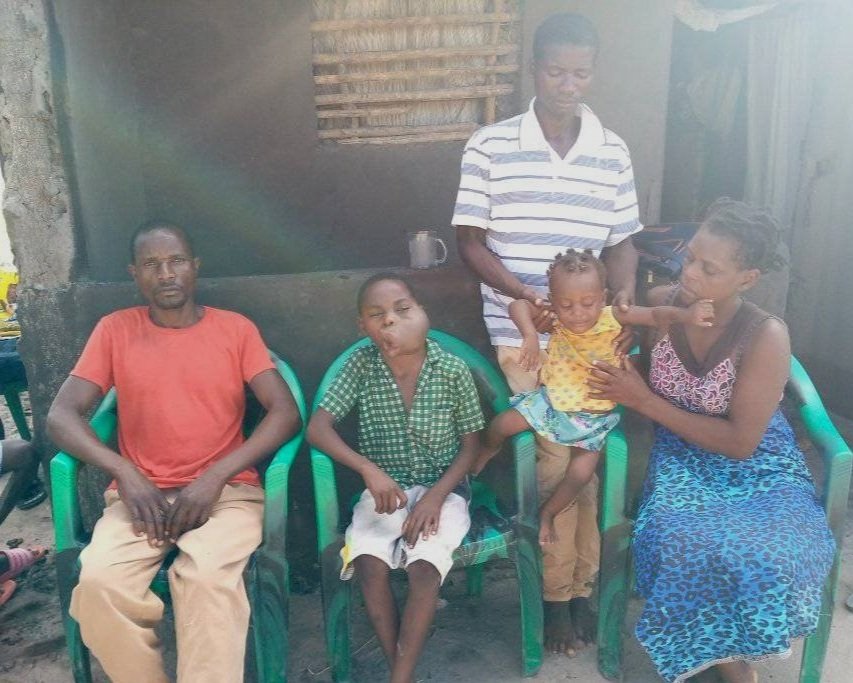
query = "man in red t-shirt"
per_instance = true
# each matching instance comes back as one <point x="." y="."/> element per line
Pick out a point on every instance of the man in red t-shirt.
<point x="184" y="476"/>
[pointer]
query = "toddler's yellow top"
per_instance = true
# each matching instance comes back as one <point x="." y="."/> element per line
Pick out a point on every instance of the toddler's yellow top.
<point x="570" y="357"/>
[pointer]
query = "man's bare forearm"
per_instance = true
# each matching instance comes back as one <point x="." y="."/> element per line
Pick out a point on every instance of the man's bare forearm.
<point x="486" y="265"/>
<point x="621" y="261"/>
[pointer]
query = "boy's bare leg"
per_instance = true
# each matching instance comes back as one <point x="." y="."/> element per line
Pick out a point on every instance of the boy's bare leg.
<point x="374" y="577"/>
<point x="21" y="459"/>
<point x="504" y="425"/>
<point x="424" y="582"/>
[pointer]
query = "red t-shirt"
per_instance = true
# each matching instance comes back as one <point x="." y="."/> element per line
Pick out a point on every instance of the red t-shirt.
<point x="181" y="396"/>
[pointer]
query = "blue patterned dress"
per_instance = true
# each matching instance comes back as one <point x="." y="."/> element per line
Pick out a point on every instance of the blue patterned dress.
<point x="730" y="555"/>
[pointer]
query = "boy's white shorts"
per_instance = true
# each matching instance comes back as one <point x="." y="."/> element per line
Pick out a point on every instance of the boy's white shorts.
<point x="379" y="535"/>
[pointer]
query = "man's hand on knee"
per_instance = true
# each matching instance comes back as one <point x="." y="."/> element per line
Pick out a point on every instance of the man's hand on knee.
<point x="146" y="503"/>
<point x="193" y="505"/>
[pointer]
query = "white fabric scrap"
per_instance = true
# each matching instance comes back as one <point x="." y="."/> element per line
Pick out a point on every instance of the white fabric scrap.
<point x="700" y="18"/>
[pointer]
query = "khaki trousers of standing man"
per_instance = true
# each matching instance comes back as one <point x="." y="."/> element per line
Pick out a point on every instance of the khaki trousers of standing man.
<point x="117" y="611"/>
<point x="569" y="566"/>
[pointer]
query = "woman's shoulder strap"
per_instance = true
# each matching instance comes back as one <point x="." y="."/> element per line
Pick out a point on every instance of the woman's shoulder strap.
<point x="752" y="317"/>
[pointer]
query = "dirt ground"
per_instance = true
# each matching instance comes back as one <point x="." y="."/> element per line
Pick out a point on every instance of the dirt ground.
<point x="475" y="639"/>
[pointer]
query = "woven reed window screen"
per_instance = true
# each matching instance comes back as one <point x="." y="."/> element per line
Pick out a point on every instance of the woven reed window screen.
<point x="398" y="71"/>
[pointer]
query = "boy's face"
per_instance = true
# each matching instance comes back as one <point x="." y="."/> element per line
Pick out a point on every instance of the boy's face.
<point x="393" y="320"/>
<point x="577" y="299"/>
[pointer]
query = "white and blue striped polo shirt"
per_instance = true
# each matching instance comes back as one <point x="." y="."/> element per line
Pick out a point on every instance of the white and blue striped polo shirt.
<point x="533" y="204"/>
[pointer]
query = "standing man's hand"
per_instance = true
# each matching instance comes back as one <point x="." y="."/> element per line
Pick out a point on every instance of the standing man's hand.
<point x="147" y="505"/>
<point x="193" y="505"/>
<point x="544" y="316"/>
<point x="623" y="300"/>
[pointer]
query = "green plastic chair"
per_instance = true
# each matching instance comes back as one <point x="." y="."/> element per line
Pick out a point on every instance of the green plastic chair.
<point x="266" y="575"/>
<point x="519" y="543"/>
<point x="616" y="531"/>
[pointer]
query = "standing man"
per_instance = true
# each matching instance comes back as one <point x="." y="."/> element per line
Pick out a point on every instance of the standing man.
<point x="532" y="186"/>
<point x="184" y="476"/>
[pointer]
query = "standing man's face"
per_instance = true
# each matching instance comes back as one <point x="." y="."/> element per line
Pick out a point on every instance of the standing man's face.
<point x="164" y="270"/>
<point x="562" y="77"/>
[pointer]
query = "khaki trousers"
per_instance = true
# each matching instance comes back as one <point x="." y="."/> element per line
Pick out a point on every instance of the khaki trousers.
<point x="569" y="566"/>
<point x="117" y="611"/>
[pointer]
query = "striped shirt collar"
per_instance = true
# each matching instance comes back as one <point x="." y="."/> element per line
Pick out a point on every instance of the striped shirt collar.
<point x="532" y="139"/>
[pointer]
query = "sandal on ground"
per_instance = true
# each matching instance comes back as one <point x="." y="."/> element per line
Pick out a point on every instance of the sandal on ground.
<point x="6" y="590"/>
<point x="21" y="559"/>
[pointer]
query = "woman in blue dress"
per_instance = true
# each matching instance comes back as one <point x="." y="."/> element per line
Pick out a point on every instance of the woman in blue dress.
<point x="731" y="544"/>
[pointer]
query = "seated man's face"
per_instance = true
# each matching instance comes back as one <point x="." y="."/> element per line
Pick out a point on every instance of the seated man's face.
<point x="164" y="269"/>
<point x="393" y="319"/>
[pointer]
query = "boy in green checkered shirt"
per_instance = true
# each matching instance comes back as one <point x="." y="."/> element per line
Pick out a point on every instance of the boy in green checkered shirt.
<point x="419" y="418"/>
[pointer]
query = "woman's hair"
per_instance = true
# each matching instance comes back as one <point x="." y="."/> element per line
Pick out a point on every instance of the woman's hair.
<point x="755" y="231"/>
<point x="379" y="277"/>
<point x="573" y="261"/>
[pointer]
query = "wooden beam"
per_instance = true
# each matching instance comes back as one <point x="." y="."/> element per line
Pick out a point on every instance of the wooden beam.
<point x="361" y="113"/>
<point x="472" y="93"/>
<point x="449" y="72"/>
<point x="402" y="22"/>
<point x="406" y="139"/>
<point x="405" y="55"/>
<point x="389" y="131"/>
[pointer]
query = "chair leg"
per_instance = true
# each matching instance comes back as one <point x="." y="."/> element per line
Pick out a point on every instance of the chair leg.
<point x="614" y="588"/>
<point x="474" y="578"/>
<point x="67" y="573"/>
<point x="13" y="401"/>
<point x="528" y="567"/>
<point x="269" y="597"/>
<point x="814" y="648"/>
<point x="336" y="613"/>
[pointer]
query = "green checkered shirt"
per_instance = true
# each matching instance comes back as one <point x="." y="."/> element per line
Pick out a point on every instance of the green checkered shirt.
<point x="413" y="447"/>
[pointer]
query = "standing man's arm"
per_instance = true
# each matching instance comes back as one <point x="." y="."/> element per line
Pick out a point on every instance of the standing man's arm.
<point x="471" y="243"/>
<point x="471" y="217"/>
<point x="67" y="428"/>
<point x="193" y="504"/>
<point x="621" y="261"/>
<point x="619" y="254"/>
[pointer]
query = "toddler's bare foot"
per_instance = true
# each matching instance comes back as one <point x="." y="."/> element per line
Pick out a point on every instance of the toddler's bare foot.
<point x="547" y="531"/>
<point x="559" y="633"/>
<point x="584" y="622"/>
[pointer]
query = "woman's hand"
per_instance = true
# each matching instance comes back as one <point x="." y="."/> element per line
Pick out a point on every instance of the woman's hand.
<point x="622" y="385"/>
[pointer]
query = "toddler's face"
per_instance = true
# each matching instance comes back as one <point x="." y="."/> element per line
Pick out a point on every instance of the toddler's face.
<point x="577" y="299"/>
<point x="393" y="319"/>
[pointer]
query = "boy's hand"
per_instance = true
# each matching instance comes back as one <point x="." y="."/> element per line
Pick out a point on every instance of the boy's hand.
<point x="424" y="518"/>
<point x="701" y="313"/>
<point x="528" y="355"/>
<point x="388" y="496"/>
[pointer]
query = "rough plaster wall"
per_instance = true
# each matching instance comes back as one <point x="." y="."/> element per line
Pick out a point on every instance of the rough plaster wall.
<point x="36" y="203"/>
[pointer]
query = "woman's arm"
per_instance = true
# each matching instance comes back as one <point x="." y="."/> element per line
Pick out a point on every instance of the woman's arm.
<point x="761" y="379"/>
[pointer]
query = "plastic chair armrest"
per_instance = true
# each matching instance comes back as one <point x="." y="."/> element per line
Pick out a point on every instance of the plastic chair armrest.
<point x="67" y="516"/>
<point x="614" y="486"/>
<point x="326" y="499"/>
<point x="526" y="486"/>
